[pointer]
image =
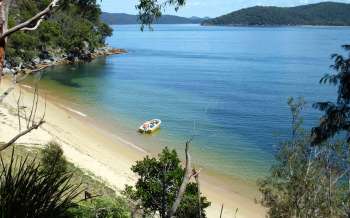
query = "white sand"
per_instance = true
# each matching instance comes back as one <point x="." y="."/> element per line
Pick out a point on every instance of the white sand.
<point x="109" y="158"/>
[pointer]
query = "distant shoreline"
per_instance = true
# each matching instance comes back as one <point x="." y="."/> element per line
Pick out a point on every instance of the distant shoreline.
<point x="322" y="13"/>
<point x="271" y="26"/>
<point x="258" y="26"/>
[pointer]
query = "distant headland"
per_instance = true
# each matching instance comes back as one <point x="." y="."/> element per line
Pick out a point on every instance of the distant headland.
<point x="320" y="14"/>
<point x="122" y="18"/>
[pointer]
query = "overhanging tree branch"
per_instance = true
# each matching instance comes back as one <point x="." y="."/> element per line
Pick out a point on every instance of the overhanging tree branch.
<point x="27" y="25"/>
<point x="34" y="27"/>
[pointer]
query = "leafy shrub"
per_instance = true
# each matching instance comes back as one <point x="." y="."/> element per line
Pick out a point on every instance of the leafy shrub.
<point x="189" y="204"/>
<point x="101" y="207"/>
<point x="307" y="181"/>
<point x="52" y="159"/>
<point x="28" y="192"/>
<point x="158" y="184"/>
<point x="53" y="162"/>
<point x="75" y="23"/>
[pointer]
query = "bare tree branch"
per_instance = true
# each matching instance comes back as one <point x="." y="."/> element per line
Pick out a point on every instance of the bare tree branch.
<point x="14" y="139"/>
<point x="31" y="123"/>
<point x="28" y="23"/>
<point x="236" y="212"/>
<point x="18" y="111"/>
<point x="185" y="181"/>
<point x="34" y="27"/>
<point x="222" y="209"/>
<point x="32" y="111"/>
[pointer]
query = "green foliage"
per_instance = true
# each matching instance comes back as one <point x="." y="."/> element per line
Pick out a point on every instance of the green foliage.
<point x="121" y="18"/>
<point x="326" y="13"/>
<point x="189" y="204"/>
<point x="336" y="118"/>
<point x="105" y="31"/>
<point x="28" y="192"/>
<point x="312" y="171"/>
<point x="158" y="183"/>
<point x="108" y="205"/>
<point x="22" y="48"/>
<point x="52" y="160"/>
<point x="307" y="181"/>
<point x="151" y="10"/>
<point x="76" y="24"/>
<point x="101" y="207"/>
<point x="74" y="29"/>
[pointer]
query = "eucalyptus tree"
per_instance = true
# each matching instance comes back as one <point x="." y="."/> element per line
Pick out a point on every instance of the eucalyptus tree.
<point x="311" y="175"/>
<point x="164" y="187"/>
<point x="306" y="180"/>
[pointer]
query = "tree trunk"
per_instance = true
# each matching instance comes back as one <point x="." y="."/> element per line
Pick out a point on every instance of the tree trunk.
<point x="198" y="194"/>
<point x="185" y="181"/>
<point x="222" y="209"/>
<point x="3" y="28"/>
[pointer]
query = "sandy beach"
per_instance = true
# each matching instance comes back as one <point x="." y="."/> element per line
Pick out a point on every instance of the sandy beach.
<point x="109" y="157"/>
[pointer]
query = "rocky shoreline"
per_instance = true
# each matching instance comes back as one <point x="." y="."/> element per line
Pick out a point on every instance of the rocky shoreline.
<point x="38" y="64"/>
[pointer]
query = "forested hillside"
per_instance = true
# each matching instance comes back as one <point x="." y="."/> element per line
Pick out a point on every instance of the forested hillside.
<point x="121" y="18"/>
<point x="327" y="14"/>
<point x="72" y="31"/>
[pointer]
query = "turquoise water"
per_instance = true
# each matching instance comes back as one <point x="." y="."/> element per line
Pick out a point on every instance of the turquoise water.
<point x="227" y="86"/>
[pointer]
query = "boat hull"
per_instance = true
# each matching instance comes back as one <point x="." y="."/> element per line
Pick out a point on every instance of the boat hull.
<point x="152" y="126"/>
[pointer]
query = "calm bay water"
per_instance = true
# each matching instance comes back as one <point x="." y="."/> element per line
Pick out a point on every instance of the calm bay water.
<point x="227" y="86"/>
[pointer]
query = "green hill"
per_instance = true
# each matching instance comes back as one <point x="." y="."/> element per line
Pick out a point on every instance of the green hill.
<point x="121" y="18"/>
<point x="326" y="13"/>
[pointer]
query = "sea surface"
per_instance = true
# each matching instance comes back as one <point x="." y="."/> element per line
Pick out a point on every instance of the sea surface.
<point x="227" y="87"/>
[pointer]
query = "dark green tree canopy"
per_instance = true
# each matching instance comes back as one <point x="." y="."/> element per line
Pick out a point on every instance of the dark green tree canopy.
<point x="336" y="116"/>
<point x="52" y="159"/>
<point x="158" y="184"/>
<point x="324" y="13"/>
<point x="70" y="28"/>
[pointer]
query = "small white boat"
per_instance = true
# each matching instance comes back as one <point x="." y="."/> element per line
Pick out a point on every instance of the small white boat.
<point x="150" y="126"/>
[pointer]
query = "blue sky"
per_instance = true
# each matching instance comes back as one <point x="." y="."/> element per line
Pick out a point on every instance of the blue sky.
<point x="202" y="8"/>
